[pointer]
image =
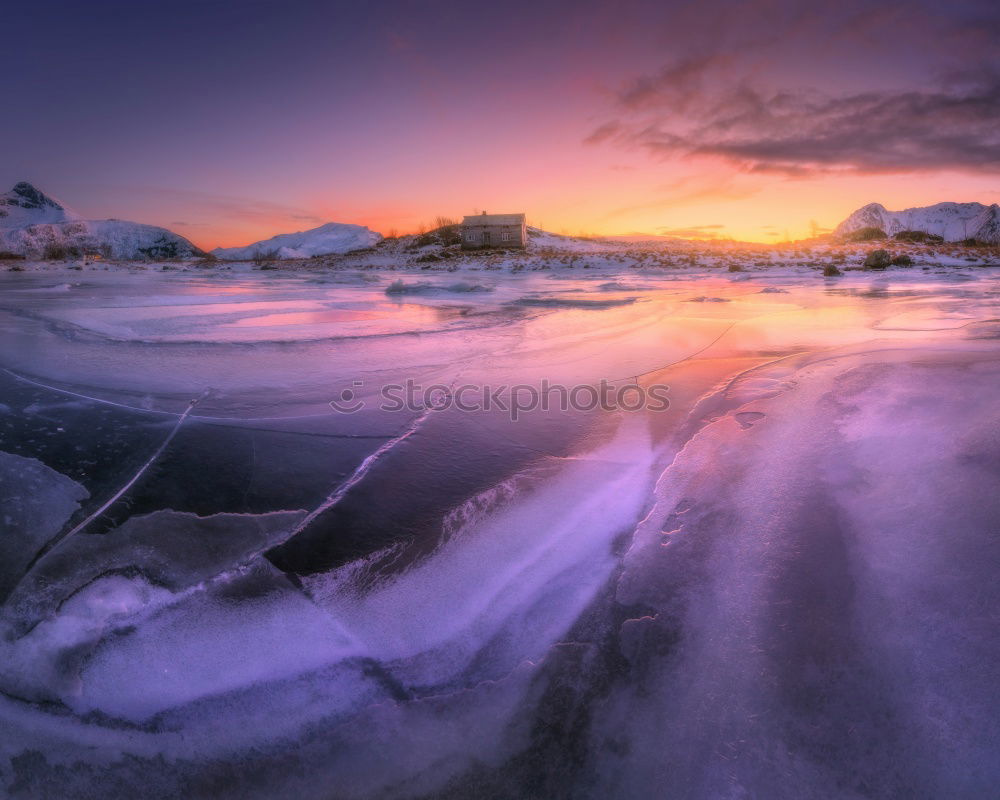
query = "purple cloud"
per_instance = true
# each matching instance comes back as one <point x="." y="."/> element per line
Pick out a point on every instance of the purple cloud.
<point x="918" y="89"/>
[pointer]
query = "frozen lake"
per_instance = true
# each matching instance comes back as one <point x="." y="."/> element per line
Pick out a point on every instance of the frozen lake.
<point x="781" y="584"/>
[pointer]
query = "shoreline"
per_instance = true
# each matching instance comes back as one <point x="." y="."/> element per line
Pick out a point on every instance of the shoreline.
<point x="575" y="255"/>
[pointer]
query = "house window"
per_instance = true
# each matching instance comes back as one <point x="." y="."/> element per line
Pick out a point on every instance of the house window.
<point x="470" y="237"/>
<point x="505" y="236"/>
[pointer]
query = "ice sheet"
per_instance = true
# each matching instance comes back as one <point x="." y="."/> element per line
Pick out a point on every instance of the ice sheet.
<point x="782" y="585"/>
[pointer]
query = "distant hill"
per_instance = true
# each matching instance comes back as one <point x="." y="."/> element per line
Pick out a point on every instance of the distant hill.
<point x="34" y="225"/>
<point x="328" y="239"/>
<point x="954" y="222"/>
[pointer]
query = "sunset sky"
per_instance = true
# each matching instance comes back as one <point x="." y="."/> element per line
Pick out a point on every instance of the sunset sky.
<point x="759" y="120"/>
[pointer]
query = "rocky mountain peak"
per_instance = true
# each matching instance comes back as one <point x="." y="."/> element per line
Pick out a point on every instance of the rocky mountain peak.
<point x="27" y="196"/>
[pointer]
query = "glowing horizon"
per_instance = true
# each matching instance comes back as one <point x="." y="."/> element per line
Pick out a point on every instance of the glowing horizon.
<point x="758" y="122"/>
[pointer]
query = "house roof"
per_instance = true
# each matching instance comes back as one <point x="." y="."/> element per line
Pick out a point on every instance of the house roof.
<point x="494" y="219"/>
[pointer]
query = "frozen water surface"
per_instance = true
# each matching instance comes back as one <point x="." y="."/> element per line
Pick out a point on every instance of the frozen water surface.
<point x="784" y="585"/>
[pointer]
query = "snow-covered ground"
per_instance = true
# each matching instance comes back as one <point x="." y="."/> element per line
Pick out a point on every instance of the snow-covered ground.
<point x="780" y="585"/>
<point x="548" y="252"/>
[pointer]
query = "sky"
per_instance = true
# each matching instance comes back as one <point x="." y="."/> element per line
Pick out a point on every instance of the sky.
<point x="759" y="120"/>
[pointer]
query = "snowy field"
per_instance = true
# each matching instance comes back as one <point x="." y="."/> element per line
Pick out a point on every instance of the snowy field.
<point x="783" y="585"/>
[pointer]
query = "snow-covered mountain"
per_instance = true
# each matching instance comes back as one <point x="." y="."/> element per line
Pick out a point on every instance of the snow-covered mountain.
<point x="333" y="237"/>
<point x="25" y="205"/>
<point x="36" y="226"/>
<point x="110" y="238"/>
<point x="954" y="222"/>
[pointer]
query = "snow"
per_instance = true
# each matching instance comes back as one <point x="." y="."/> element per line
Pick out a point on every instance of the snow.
<point x="955" y="222"/>
<point x="37" y="227"/>
<point x="26" y="205"/>
<point x="110" y="238"/>
<point x="539" y="239"/>
<point x="333" y="237"/>
<point x="826" y="571"/>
